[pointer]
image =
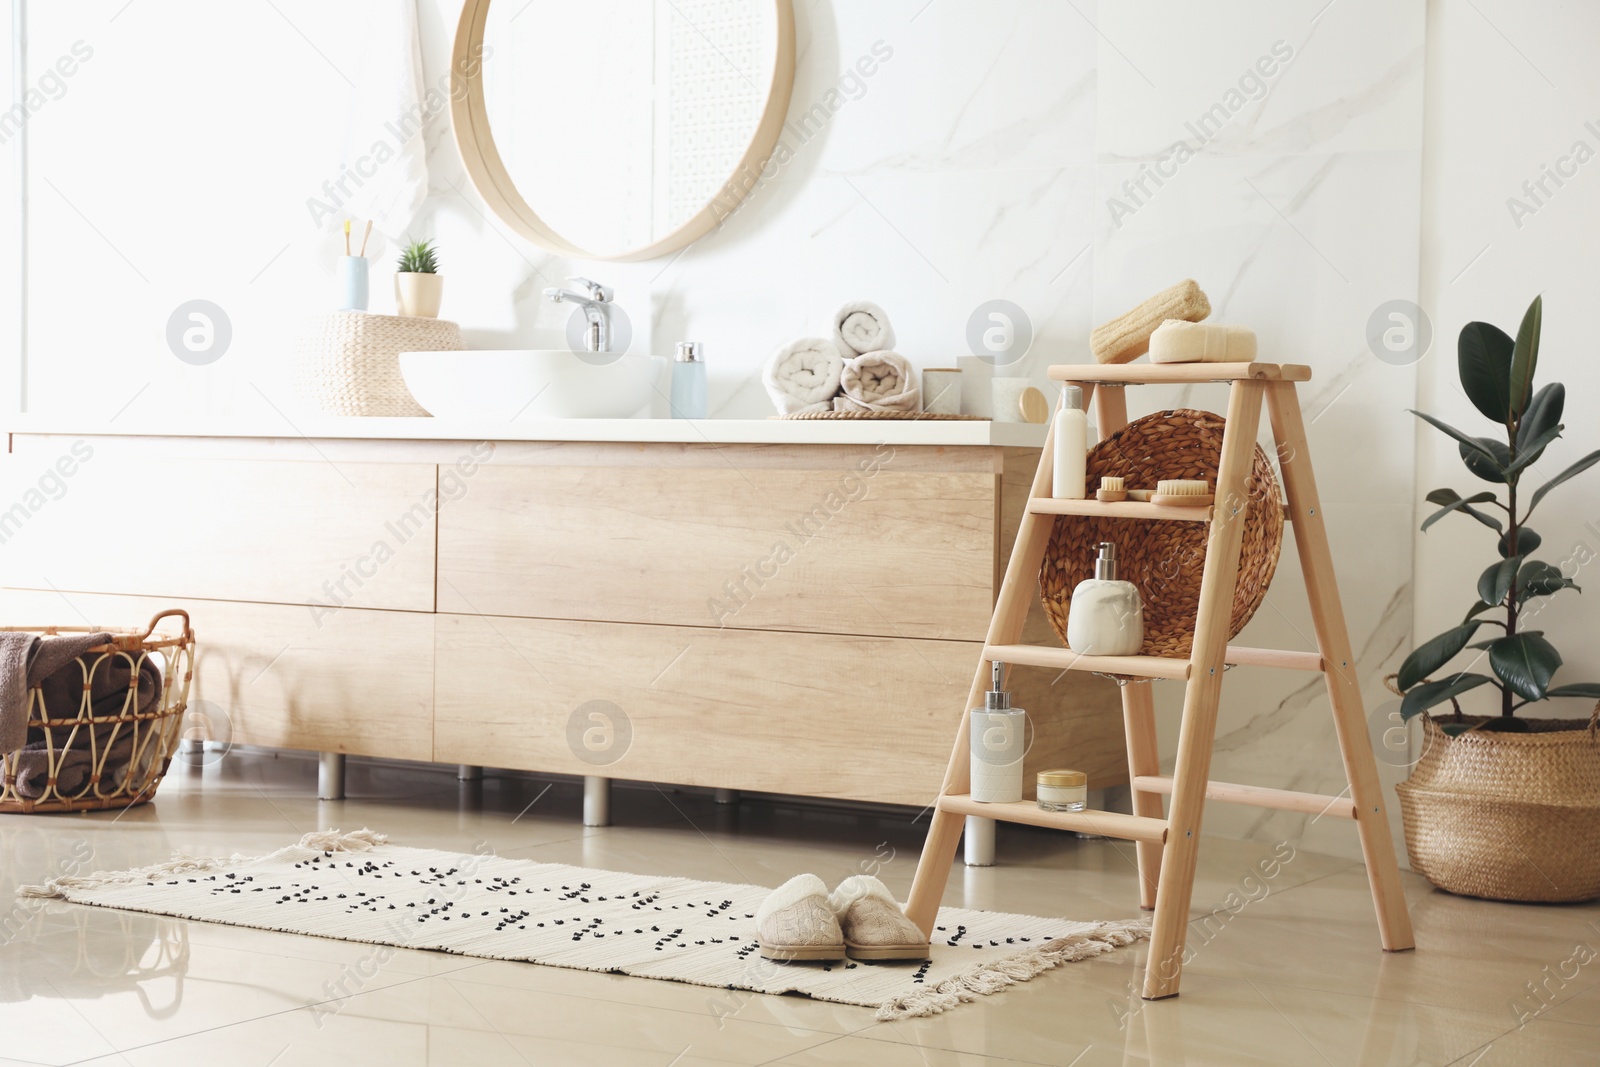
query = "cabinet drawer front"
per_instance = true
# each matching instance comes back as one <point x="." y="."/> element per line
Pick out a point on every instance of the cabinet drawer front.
<point x="906" y="553"/>
<point x="860" y="718"/>
<point x="358" y="682"/>
<point x="351" y="534"/>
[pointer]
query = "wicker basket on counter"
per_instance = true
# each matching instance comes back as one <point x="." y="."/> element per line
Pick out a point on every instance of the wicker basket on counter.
<point x="348" y="362"/>
<point x="128" y="749"/>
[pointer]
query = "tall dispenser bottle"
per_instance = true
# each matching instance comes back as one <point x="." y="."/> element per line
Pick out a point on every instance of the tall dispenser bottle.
<point x="998" y="743"/>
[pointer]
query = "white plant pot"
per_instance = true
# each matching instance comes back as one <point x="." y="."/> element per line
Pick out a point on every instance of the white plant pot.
<point x="417" y="295"/>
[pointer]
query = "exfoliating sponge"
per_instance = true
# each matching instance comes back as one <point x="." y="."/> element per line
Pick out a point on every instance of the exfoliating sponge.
<point x="1202" y="342"/>
<point x="1127" y="337"/>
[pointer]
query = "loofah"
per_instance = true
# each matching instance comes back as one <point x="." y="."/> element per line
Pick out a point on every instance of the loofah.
<point x="1127" y="337"/>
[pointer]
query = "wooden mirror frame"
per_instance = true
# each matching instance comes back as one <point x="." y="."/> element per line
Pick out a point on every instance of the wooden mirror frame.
<point x="470" y="118"/>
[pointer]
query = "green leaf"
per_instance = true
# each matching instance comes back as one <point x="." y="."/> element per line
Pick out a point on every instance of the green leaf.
<point x="1538" y="578"/>
<point x="1527" y="542"/>
<point x="1495" y="582"/>
<point x="1534" y="448"/>
<point x="1428" y="694"/>
<point x="1467" y="441"/>
<point x="1571" y="472"/>
<point x="1431" y="655"/>
<point x="1460" y="504"/>
<point x="1491" y="469"/>
<point x="1544" y="411"/>
<point x="1525" y="662"/>
<point x="1483" y="357"/>
<point x="1525" y="358"/>
<point x="1478" y="609"/>
<point x="1576" y="689"/>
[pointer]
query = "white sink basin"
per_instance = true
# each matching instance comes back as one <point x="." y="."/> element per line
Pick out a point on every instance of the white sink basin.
<point x="518" y="384"/>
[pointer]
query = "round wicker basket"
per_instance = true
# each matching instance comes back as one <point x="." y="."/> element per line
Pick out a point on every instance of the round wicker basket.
<point x="1507" y="816"/>
<point x="84" y="759"/>
<point x="1164" y="560"/>
<point x="349" y="361"/>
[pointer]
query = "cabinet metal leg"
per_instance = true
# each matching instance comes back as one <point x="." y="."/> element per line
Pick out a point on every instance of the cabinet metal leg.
<point x="725" y="796"/>
<point x="596" y="801"/>
<point x="467" y="772"/>
<point x="330" y="776"/>
<point x="978" y="841"/>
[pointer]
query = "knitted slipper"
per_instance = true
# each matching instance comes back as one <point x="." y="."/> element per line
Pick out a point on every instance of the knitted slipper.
<point x="875" y="927"/>
<point x="796" y="923"/>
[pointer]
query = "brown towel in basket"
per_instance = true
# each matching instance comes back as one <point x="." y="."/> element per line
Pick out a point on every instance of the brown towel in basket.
<point x="25" y="660"/>
<point x="110" y="745"/>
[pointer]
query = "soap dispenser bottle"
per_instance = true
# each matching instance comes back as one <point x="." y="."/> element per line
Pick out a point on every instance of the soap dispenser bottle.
<point x="688" y="382"/>
<point x="1106" y="616"/>
<point x="998" y="740"/>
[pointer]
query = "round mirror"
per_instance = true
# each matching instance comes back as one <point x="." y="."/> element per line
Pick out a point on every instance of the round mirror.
<point x="620" y="129"/>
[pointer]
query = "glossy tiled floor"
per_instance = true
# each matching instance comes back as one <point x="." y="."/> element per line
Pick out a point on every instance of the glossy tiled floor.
<point x="1293" y="976"/>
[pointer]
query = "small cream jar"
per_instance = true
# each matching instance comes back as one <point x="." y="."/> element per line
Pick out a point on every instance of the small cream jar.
<point x="1063" y="790"/>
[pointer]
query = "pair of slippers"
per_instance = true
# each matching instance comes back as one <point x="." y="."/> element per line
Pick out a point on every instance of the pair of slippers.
<point x="860" y="919"/>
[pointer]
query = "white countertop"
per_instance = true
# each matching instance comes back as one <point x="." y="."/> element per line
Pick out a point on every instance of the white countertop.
<point x="934" y="432"/>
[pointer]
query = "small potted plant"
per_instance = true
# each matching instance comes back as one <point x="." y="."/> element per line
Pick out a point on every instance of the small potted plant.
<point x="418" y="286"/>
<point x="1503" y="806"/>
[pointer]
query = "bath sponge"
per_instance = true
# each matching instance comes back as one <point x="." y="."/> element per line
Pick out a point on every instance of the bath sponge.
<point x="1202" y="342"/>
<point x="1127" y="337"/>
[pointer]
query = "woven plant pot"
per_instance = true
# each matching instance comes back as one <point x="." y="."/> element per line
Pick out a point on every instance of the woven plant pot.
<point x="1507" y="816"/>
<point x="1164" y="560"/>
<point x="349" y="361"/>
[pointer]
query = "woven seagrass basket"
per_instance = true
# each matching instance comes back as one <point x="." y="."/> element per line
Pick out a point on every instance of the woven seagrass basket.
<point x="349" y="361"/>
<point x="1507" y="816"/>
<point x="114" y="755"/>
<point x="1164" y="560"/>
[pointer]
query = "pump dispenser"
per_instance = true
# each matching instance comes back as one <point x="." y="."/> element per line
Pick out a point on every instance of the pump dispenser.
<point x="999" y="741"/>
<point x="1106" y="615"/>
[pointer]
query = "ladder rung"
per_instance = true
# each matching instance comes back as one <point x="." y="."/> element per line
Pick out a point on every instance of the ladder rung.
<point x="1155" y="373"/>
<point x="1257" y="796"/>
<point x="1104" y="823"/>
<point x="1067" y="660"/>
<point x="1283" y="658"/>
<point x="1121" y="509"/>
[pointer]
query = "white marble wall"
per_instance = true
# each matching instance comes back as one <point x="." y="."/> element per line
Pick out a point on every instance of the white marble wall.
<point x="980" y="162"/>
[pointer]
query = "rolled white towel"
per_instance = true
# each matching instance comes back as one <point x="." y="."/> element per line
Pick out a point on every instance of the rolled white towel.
<point x="879" y="381"/>
<point x="803" y="376"/>
<point x="861" y="327"/>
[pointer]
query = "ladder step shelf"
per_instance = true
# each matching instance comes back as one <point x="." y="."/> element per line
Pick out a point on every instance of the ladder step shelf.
<point x="1118" y="509"/>
<point x="1146" y="666"/>
<point x="1104" y="823"/>
<point x="1257" y="796"/>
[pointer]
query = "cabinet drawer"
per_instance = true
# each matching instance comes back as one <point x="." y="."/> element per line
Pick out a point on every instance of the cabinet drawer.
<point x="346" y="534"/>
<point x="888" y="552"/>
<point x="360" y="682"/>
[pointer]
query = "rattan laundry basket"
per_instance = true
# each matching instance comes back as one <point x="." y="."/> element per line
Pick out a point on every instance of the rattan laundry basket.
<point x="1165" y="559"/>
<point x="1507" y="816"/>
<point x="349" y="361"/>
<point x="128" y="749"/>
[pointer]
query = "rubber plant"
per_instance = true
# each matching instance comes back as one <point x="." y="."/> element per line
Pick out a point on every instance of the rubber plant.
<point x="1497" y="375"/>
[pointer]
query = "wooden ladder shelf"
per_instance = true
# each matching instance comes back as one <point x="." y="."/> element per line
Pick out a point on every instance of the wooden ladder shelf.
<point x="1168" y="843"/>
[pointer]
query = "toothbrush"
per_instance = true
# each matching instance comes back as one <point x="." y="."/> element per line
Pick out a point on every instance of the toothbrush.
<point x="365" y="234"/>
<point x="347" y="237"/>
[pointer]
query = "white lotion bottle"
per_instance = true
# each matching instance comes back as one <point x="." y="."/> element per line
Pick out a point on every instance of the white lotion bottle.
<point x="1068" y="474"/>
<point x="1106" y="617"/>
<point x="998" y="736"/>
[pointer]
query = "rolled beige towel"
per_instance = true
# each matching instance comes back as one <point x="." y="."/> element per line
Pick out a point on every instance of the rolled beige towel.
<point x="1202" y="342"/>
<point x="861" y="327"/>
<point x="804" y="375"/>
<point x="1127" y="337"/>
<point x="879" y="381"/>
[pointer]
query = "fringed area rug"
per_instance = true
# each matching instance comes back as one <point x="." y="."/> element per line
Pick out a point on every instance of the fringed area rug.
<point x="357" y="887"/>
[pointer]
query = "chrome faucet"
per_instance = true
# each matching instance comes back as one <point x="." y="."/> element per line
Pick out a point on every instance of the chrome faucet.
<point x="596" y="305"/>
